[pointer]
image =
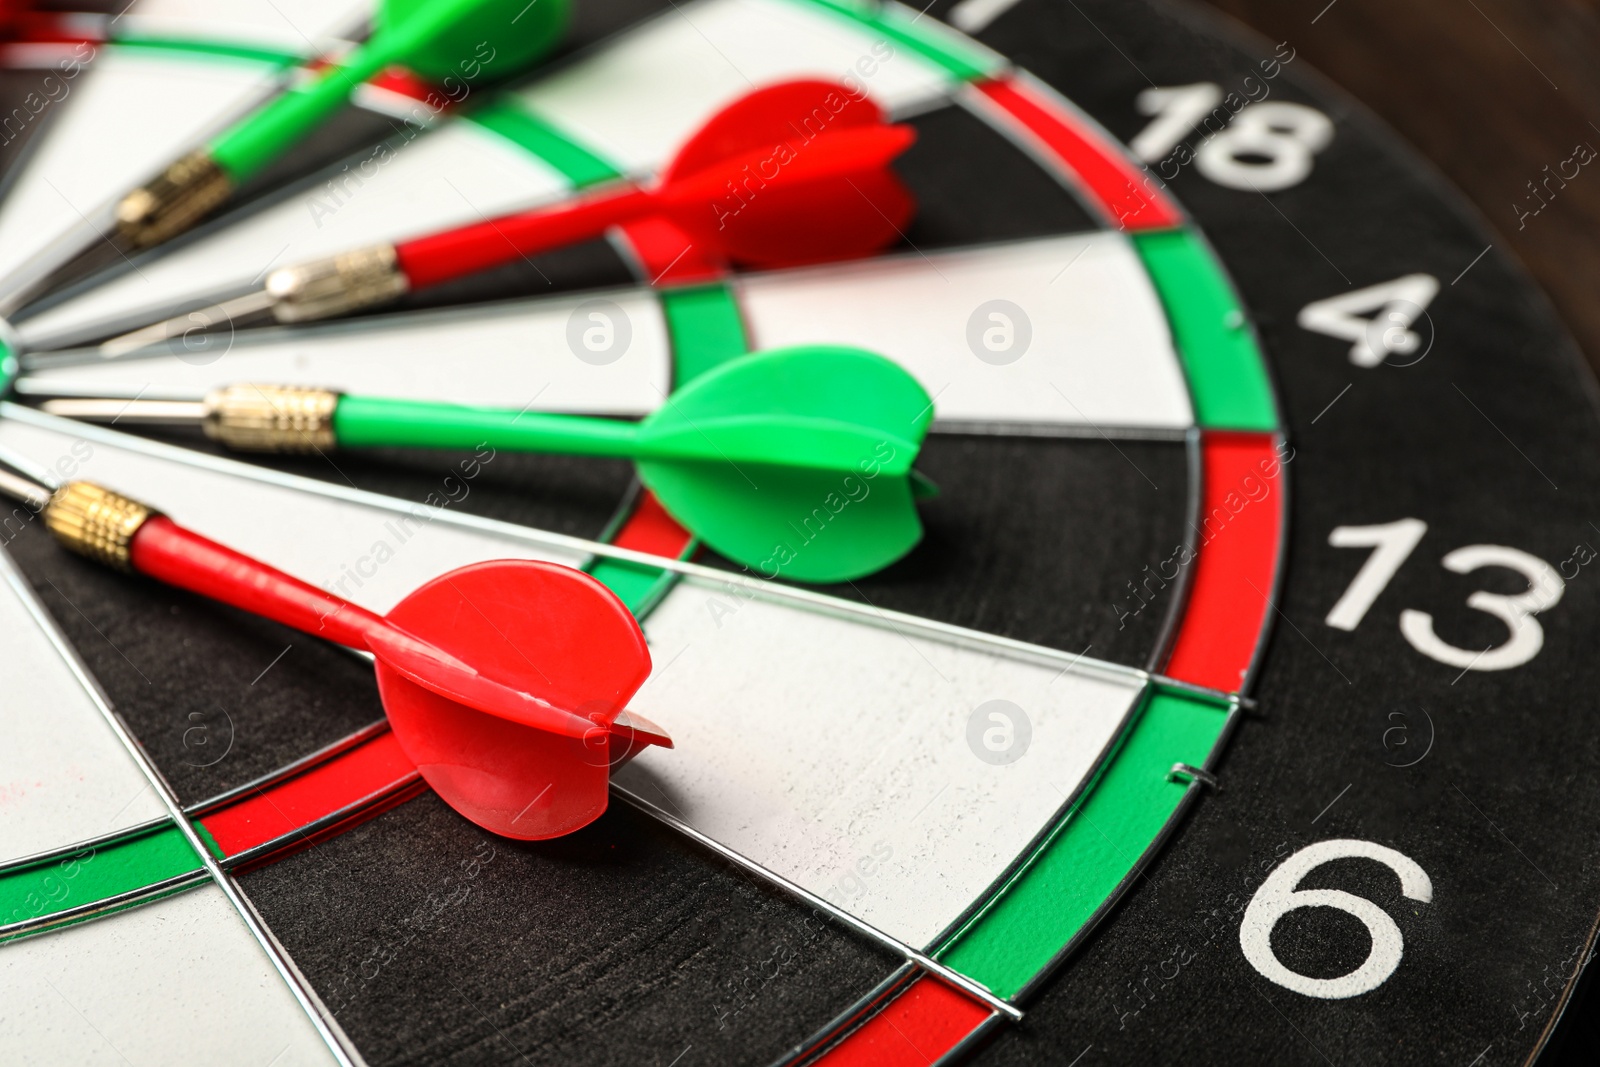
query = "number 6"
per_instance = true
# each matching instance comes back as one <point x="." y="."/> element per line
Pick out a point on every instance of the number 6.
<point x="1278" y="896"/>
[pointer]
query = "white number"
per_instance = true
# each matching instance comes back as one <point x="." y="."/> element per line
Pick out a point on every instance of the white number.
<point x="1278" y="896"/>
<point x="1394" y="306"/>
<point x="1394" y="542"/>
<point x="598" y="337"/>
<point x="998" y="337"/>
<point x="1517" y="612"/>
<point x="1268" y="147"/>
<point x="1176" y="109"/>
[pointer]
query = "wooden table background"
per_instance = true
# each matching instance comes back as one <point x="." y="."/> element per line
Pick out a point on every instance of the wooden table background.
<point x="1492" y="91"/>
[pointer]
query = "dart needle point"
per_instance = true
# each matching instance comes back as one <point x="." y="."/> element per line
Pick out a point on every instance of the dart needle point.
<point x="199" y="322"/>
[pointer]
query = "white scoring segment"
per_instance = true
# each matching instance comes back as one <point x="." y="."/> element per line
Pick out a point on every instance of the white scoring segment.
<point x="840" y="754"/>
<point x="292" y="25"/>
<point x="1099" y="355"/>
<point x="456" y="174"/>
<point x="123" y="116"/>
<point x="453" y="175"/>
<point x="1060" y="332"/>
<point x="504" y="355"/>
<point x="65" y="776"/>
<point x="815" y="737"/>
<point x="640" y="98"/>
<point x="178" y="981"/>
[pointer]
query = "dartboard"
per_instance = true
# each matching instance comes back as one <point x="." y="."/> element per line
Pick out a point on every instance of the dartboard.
<point x="1230" y="708"/>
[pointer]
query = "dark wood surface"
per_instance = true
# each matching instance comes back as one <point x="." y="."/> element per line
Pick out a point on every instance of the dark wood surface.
<point x="1492" y="92"/>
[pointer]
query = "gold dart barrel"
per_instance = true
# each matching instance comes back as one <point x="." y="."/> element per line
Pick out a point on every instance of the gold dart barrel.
<point x="271" y="418"/>
<point x="96" y="522"/>
<point x="336" y="285"/>
<point x="183" y="194"/>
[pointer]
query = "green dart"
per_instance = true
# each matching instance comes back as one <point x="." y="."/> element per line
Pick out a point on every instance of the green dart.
<point x="435" y="39"/>
<point x="796" y="462"/>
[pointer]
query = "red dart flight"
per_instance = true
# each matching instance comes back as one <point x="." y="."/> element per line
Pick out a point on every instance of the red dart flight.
<point x="791" y="174"/>
<point x="505" y="682"/>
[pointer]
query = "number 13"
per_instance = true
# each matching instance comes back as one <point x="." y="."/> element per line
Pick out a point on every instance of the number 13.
<point x="1392" y="545"/>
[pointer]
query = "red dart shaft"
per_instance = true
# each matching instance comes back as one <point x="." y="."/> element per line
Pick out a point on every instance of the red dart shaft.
<point x="439" y="257"/>
<point x="169" y="553"/>
<point x="166" y="551"/>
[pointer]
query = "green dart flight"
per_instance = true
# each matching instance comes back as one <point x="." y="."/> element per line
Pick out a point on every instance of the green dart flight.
<point x="436" y="39"/>
<point x="796" y="462"/>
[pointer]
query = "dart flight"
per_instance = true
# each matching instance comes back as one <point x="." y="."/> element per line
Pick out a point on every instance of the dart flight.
<point x="795" y="462"/>
<point x="505" y="681"/>
<point x="791" y="174"/>
<point x="434" y="39"/>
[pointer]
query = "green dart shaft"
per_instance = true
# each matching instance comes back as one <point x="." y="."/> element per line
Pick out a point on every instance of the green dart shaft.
<point x="441" y="40"/>
<point x="376" y="422"/>
<point x="257" y="140"/>
<point x="819" y="444"/>
<point x="795" y="461"/>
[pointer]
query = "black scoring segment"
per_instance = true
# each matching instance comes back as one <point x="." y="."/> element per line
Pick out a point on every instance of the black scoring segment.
<point x="1009" y="197"/>
<point x="1071" y="543"/>
<point x="432" y="942"/>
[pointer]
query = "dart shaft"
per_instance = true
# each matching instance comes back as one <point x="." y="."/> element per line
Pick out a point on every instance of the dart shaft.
<point x="116" y="530"/>
<point x="260" y="138"/>
<point x="113" y="529"/>
<point x="169" y="553"/>
<point x="246" y="148"/>
<point x="431" y="37"/>
<point x="381" y="422"/>
<point x="454" y="253"/>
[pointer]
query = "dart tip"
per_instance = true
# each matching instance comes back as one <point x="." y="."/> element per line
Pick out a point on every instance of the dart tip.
<point x="140" y="412"/>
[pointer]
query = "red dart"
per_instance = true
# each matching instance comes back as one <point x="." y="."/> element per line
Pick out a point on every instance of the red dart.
<point x="505" y="682"/>
<point x="20" y="22"/>
<point x="792" y="174"/>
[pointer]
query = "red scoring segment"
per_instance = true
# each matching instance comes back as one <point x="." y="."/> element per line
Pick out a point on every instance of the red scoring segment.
<point x="920" y="1025"/>
<point x="1238" y="541"/>
<point x="650" y="529"/>
<point x="1129" y="196"/>
<point x="354" y="779"/>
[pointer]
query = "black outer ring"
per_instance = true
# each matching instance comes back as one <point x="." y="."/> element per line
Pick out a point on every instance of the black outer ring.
<point x="1473" y="440"/>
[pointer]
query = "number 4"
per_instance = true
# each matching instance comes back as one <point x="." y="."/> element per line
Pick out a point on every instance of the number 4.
<point x="1394" y="306"/>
